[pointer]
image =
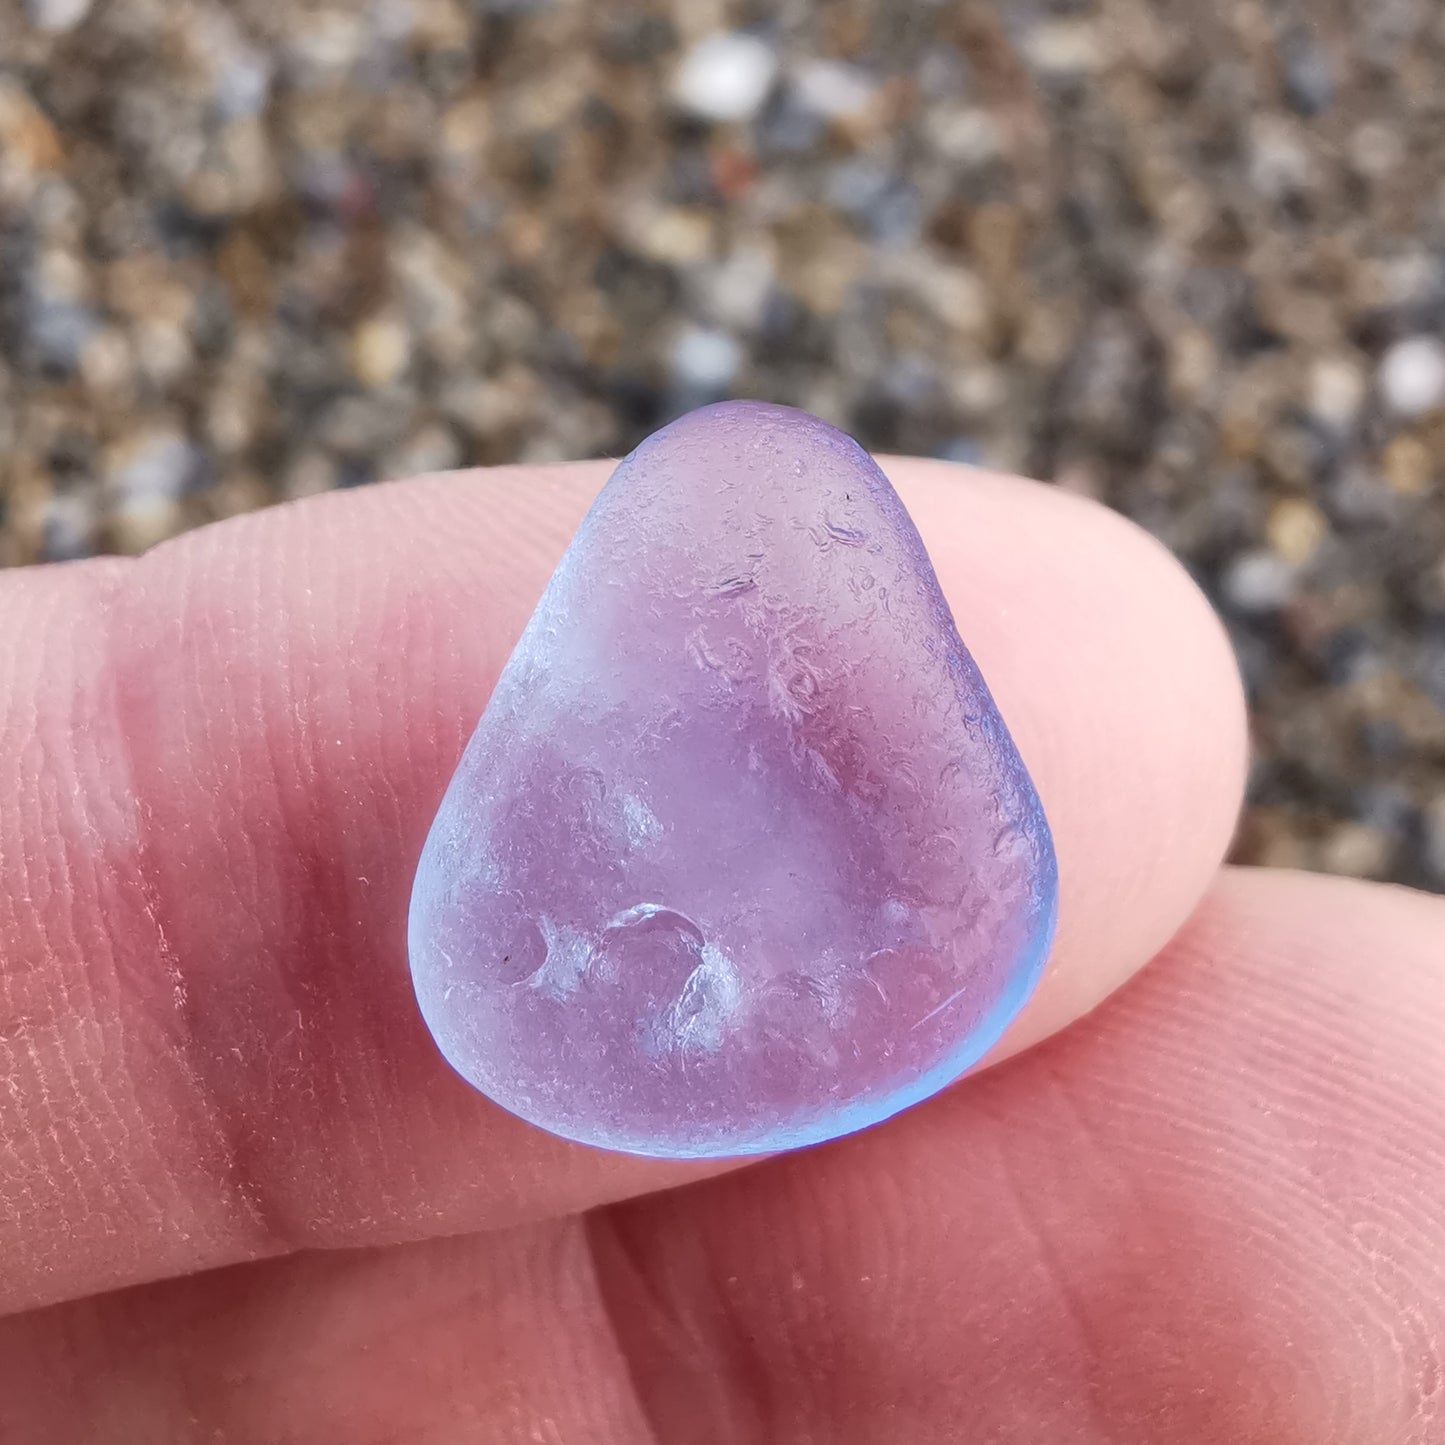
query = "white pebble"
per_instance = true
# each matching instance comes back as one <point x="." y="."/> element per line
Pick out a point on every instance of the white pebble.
<point x="55" y="16"/>
<point x="736" y="290"/>
<point x="1259" y="582"/>
<point x="832" y="89"/>
<point x="968" y="135"/>
<point x="1280" y="164"/>
<point x="1337" y="387"/>
<point x="325" y="46"/>
<point x="243" y="85"/>
<point x="1412" y="376"/>
<point x="706" y="360"/>
<point x="726" y="77"/>
<point x="159" y="466"/>
<point x="68" y="526"/>
<point x="1064" y="47"/>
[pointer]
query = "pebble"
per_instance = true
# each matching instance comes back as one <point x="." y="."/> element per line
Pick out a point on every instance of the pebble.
<point x="27" y="138"/>
<point x="832" y="89"/>
<point x="1258" y="582"/>
<point x="1281" y="163"/>
<point x="1384" y="806"/>
<point x="241" y="74"/>
<point x="637" y="38"/>
<point x="325" y="46"/>
<point x="230" y="418"/>
<point x="431" y="448"/>
<point x="1338" y="386"/>
<point x="1295" y="529"/>
<point x="360" y="427"/>
<point x="706" y="360"/>
<point x="1412" y="376"/>
<point x="59" y="330"/>
<point x="788" y="128"/>
<point x="243" y="85"/>
<point x="735" y="291"/>
<point x="1309" y="78"/>
<point x="941" y="73"/>
<point x="875" y="195"/>
<point x="675" y="235"/>
<point x="1408" y="466"/>
<point x="953" y="293"/>
<point x="308" y="475"/>
<point x="1375" y="150"/>
<point x="857" y="184"/>
<point x="1434" y="824"/>
<point x="380" y="350"/>
<point x="68" y="527"/>
<point x="138" y="523"/>
<point x="1064" y="47"/>
<point x="159" y="464"/>
<point x="107" y="364"/>
<point x="962" y="450"/>
<point x="163" y="351"/>
<point x="56" y="16"/>
<point x="967" y="135"/>
<point x="726" y="77"/>
<point x="1357" y="850"/>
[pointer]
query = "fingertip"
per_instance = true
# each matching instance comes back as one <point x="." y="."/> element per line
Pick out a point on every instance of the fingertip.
<point x="288" y="694"/>
<point x="1118" y="682"/>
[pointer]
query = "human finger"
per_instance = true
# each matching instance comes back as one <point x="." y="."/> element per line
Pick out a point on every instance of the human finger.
<point x="1210" y="1214"/>
<point x="223" y="759"/>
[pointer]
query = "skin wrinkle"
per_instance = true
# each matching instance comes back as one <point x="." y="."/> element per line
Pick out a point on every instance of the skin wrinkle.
<point x="362" y="604"/>
<point x="295" y="772"/>
<point x="241" y="1208"/>
<point x="195" y="1077"/>
<point x="1292" y="1196"/>
<point x="637" y="1305"/>
<point x="358" y="605"/>
<point x="285" y="1230"/>
<point x="249" y="1218"/>
<point x="1066" y="1100"/>
<point x="588" y="1239"/>
<point x="294" y="833"/>
<point x="107" y="1019"/>
<point x="1319" y="1371"/>
<point x="1393" y="1130"/>
<point x="393" y="1084"/>
<point x="91" y="1142"/>
<point x="466" y="1327"/>
<point x="1054" y="1269"/>
<point x="53" y="1124"/>
<point x="365" y="694"/>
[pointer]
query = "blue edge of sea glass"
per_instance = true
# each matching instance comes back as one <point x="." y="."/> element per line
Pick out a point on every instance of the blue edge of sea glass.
<point x="865" y="1113"/>
<point x="951" y="1068"/>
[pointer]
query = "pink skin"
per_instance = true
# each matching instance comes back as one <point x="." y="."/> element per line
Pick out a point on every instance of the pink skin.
<point x="1211" y="1212"/>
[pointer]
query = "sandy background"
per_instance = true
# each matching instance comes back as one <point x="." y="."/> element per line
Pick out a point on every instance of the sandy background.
<point x="1186" y="258"/>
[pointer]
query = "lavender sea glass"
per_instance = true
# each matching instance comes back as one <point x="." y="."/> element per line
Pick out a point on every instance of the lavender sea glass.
<point x="741" y="855"/>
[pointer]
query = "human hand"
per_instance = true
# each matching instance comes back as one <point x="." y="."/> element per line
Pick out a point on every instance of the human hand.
<point x="243" y="1199"/>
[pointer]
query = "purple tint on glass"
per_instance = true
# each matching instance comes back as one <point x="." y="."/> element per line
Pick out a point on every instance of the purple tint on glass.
<point x="741" y="856"/>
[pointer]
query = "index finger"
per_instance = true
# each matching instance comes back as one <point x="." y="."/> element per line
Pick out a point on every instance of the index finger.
<point x="223" y="758"/>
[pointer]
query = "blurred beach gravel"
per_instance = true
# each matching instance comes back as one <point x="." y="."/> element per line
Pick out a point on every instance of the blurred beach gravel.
<point x="1189" y="259"/>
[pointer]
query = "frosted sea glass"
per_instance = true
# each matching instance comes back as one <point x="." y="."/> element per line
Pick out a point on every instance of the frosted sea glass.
<point x="741" y="855"/>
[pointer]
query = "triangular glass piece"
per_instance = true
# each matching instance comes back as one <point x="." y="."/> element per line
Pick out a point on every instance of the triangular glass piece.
<point x="741" y="855"/>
